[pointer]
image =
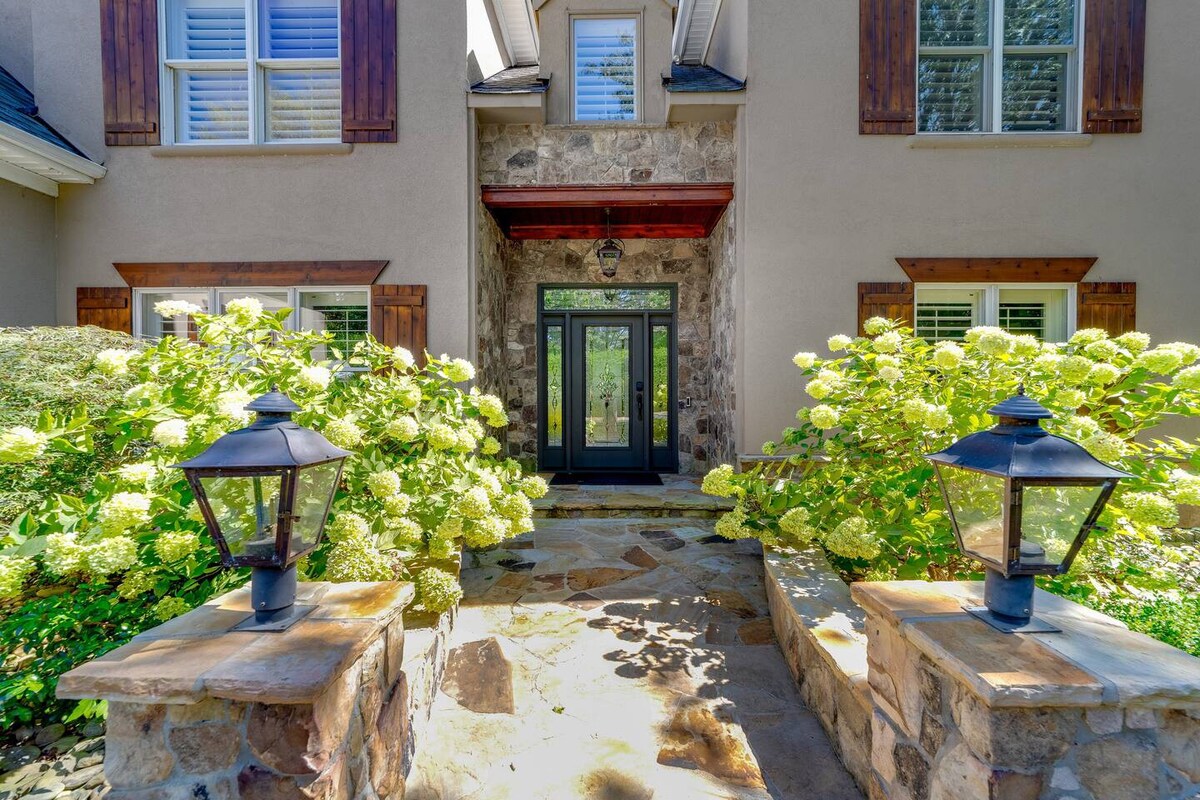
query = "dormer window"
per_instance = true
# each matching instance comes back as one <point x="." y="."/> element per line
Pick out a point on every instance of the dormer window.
<point x="604" y="55"/>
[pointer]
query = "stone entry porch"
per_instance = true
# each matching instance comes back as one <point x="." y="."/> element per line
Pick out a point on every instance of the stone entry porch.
<point x="678" y="497"/>
<point x="620" y="659"/>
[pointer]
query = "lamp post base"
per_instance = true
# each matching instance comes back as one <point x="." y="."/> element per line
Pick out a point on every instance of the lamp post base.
<point x="273" y="598"/>
<point x="1008" y="605"/>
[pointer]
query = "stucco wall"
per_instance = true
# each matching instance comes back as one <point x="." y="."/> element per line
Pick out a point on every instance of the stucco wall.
<point x="654" y="52"/>
<point x="727" y="51"/>
<point x="826" y="208"/>
<point x="26" y="256"/>
<point x="16" y="39"/>
<point x="407" y="202"/>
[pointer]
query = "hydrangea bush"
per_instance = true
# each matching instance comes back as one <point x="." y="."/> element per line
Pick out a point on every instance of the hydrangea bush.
<point x="853" y="478"/>
<point x="133" y="544"/>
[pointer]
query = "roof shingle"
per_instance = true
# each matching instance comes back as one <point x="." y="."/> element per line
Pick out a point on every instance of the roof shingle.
<point x="18" y="108"/>
<point x="514" y="80"/>
<point x="700" y="78"/>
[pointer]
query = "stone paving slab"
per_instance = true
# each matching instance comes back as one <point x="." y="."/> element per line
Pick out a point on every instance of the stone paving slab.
<point x="678" y="498"/>
<point x="660" y="679"/>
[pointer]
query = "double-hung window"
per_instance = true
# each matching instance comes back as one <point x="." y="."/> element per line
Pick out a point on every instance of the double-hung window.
<point x="252" y="71"/>
<point x="947" y="312"/>
<point x="998" y="66"/>
<point x="604" y="57"/>
<point x="341" y="311"/>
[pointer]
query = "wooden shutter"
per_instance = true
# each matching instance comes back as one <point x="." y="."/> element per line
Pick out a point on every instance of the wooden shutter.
<point x="1110" y="306"/>
<point x="369" y="71"/>
<point x="1114" y="53"/>
<point x="129" y="62"/>
<point x="398" y="317"/>
<point x="888" y="300"/>
<point x="109" y="307"/>
<point x="887" y="72"/>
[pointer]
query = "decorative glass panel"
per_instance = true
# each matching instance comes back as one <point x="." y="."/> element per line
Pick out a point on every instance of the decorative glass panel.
<point x="977" y="501"/>
<point x="344" y="314"/>
<point x="156" y="327"/>
<point x="660" y="337"/>
<point x="955" y="23"/>
<point x="614" y="299"/>
<point x="605" y="69"/>
<point x="213" y="106"/>
<point x="298" y="28"/>
<point x="314" y="490"/>
<point x="247" y="510"/>
<point x="554" y="386"/>
<point x="304" y="104"/>
<point x="1035" y="92"/>
<point x="950" y="93"/>
<point x="1039" y="22"/>
<point x="1051" y="517"/>
<point x="606" y="385"/>
<point x="207" y="30"/>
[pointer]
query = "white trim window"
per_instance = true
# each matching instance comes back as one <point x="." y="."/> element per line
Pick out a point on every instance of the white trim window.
<point x="945" y="312"/>
<point x="604" y="69"/>
<point x="251" y="71"/>
<point x="999" y="66"/>
<point x="344" y="311"/>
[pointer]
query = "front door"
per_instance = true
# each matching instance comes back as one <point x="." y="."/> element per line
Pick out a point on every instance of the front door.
<point x="608" y="381"/>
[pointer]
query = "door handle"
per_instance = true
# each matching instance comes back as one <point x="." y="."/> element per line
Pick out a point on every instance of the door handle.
<point x="641" y="402"/>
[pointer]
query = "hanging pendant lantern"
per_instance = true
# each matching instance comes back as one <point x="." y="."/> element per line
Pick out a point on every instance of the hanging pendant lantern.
<point x="609" y="251"/>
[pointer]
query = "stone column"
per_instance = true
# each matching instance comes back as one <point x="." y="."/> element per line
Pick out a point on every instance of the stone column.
<point x="197" y="712"/>
<point x="964" y="712"/>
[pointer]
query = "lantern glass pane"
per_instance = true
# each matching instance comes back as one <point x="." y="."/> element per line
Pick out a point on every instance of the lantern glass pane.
<point x="314" y="488"/>
<point x="247" y="510"/>
<point x="977" y="501"/>
<point x="1051" y="517"/>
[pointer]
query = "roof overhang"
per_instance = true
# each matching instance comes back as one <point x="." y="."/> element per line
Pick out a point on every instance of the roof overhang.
<point x="528" y="108"/>
<point x="638" y="211"/>
<point x="704" y="106"/>
<point x="33" y="162"/>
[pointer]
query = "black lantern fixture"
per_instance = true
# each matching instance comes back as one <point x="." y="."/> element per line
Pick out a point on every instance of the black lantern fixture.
<point x="609" y="251"/>
<point x="265" y="492"/>
<point x="1022" y="502"/>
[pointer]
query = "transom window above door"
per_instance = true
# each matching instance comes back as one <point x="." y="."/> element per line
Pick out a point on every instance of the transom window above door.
<point x="946" y="312"/>
<point x="604" y="58"/>
<point x="252" y="71"/>
<point x="998" y="66"/>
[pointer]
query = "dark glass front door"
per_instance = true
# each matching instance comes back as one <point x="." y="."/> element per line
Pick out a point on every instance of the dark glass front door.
<point x="607" y="382"/>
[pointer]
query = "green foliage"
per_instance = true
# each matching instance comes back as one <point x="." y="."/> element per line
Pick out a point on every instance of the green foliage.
<point x="85" y="567"/>
<point x="855" y="463"/>
<point x="1167" y="618"/>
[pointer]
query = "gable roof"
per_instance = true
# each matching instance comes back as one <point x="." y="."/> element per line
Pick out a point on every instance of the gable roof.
<point x="519" y="29"/>
<point x="32" y="153"/>
<point x="700" y="78"/>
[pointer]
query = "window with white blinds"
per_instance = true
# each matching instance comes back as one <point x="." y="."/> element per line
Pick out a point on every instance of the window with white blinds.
<point x="241" y="71"/>
<point x="998" y="66"/>
<point x="604" y="57"/>
<point x="946" y="313"/>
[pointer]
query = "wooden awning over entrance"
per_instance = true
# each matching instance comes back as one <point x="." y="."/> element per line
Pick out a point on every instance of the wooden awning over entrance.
<point x="639" y="211"/>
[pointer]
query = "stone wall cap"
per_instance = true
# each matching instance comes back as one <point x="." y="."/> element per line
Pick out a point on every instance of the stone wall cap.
<point x="196" y="655"/>
<point x="1094" y="661"/>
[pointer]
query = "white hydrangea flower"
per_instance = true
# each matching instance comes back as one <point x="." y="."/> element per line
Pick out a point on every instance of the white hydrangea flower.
<point x="1185" y="487"/>
<point x="397" y="505"/>
<point x="19" y="444"/>
<point x="438" y="591"/>
<point x="124" y="511"/>
<point x="1026" y="345"/>
<point x="442" y="437"/>
<point x="890" y="375"/>
<point x="172" y="546"/>
<point x="113" y="361"/>
<point x="853" y="538"/>
<point x="490" y="446"/>
<point x="1103" y="349"/>
<point x="460" y="370"/>
<point x="347" y="525"/>
<point x="1104" y="374"/>
<point x="474" y="503"/>
<point x="343" y="432"/>
<point x="1188" y="379"/>
<point x="938" y="418"/>
<point x="405" y="532"/>
<point x="818" y="389"/>
<point x="170" y="433"/>
<point x="169" y="309"/>
<point x="402" y="429"/>
<point x="1088" y="336"/>
<point x="1190" y="353"/>
<point x="62" y="555"/>
<point x="407" y="393"/>
<point x="1162" y="360"/>
<point x="1134" y="341"/>
<point x="13" y="572"/>
<point x="990" y="340"/>
<point x="948" y="356"/>
<point x="534" y="487"/>
<point x="838" y="343"/>
<point x="824" y="417"/>
<point x="314" y="378"/>
<point x="403" y="358"/>
<point x="492" y="409"/>
<point x="244" y="309"/>
<point x="114" y="554"/>
<point x="143" y="391"/>
<point x="1071" y="398"/>
<point x="876" y="325"/>
<point x="804" y="360"/>
<point x="796" y="525"/>
<point x="383" y="483"/>
<point x="231" y="405"/>
<point x="888" y="342"/>
<point x="1147" y="508"/>
<point x="1074" y="370"/>
<point x="139" y="474"/>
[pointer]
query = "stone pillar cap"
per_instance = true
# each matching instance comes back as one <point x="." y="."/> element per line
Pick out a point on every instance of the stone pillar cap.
<point x="196" y="656"/>
<point x="1095" y="661"/>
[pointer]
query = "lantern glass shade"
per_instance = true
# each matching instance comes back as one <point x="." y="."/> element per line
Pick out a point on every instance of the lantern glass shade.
<point x="1051" y="519"/>
<point x="977" y="503"/>
<point x="245" y="509"/>
<point x="314" y="494"/>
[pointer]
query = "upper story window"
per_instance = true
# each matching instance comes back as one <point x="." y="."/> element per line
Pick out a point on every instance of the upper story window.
<point x="605" y="69"/>
<point x="947" y="312"/>
<point x="993" y="66"/>
<point x="245" y="71"/>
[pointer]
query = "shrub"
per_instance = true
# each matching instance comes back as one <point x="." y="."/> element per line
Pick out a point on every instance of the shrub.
<point x="855" y="463"/>
<point x="84" y="569"/>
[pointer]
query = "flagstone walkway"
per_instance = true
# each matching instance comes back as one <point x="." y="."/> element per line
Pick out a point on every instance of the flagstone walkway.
<point x="620" y="659"/>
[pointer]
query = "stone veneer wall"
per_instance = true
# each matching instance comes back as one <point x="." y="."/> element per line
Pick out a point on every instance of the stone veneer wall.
<point x="723" y="391"/>
<point x="549" y="154"/>
<point x="489" y="306"/>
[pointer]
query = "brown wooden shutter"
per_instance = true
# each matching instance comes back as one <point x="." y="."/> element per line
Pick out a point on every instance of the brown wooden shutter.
<point x="887" y="66"/>
<point x="1114" y="54"/>
<point x="888" y="300"/>
<point x="398" y="317"/>
<point x="369" y="71"/>
<point x="109" y="307"/>
<point x="129" y="61"/>
<point x="1110" y="306"/>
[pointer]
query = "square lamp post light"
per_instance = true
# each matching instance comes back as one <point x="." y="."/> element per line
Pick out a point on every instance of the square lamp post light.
<point x="265" y="493"/>
<point x="1022" y="502"/>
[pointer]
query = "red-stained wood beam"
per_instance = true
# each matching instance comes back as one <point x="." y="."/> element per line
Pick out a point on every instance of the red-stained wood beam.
<point x="996" y="270"/>
<point x="250" y="273"/>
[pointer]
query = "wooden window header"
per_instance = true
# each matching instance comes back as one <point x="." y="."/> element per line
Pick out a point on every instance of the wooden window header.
<point x="250" y="273"/>
<point x="996" y="270"/>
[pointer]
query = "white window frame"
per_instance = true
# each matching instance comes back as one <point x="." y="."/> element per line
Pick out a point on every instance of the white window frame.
<point x="993" y="74"/>
<point x="989" y="305"/>
<point x="255" y="67"/>
<point x="636" y="16"/>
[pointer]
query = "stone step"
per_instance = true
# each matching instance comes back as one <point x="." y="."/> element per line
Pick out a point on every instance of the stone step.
<point x="682" y="502"/>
